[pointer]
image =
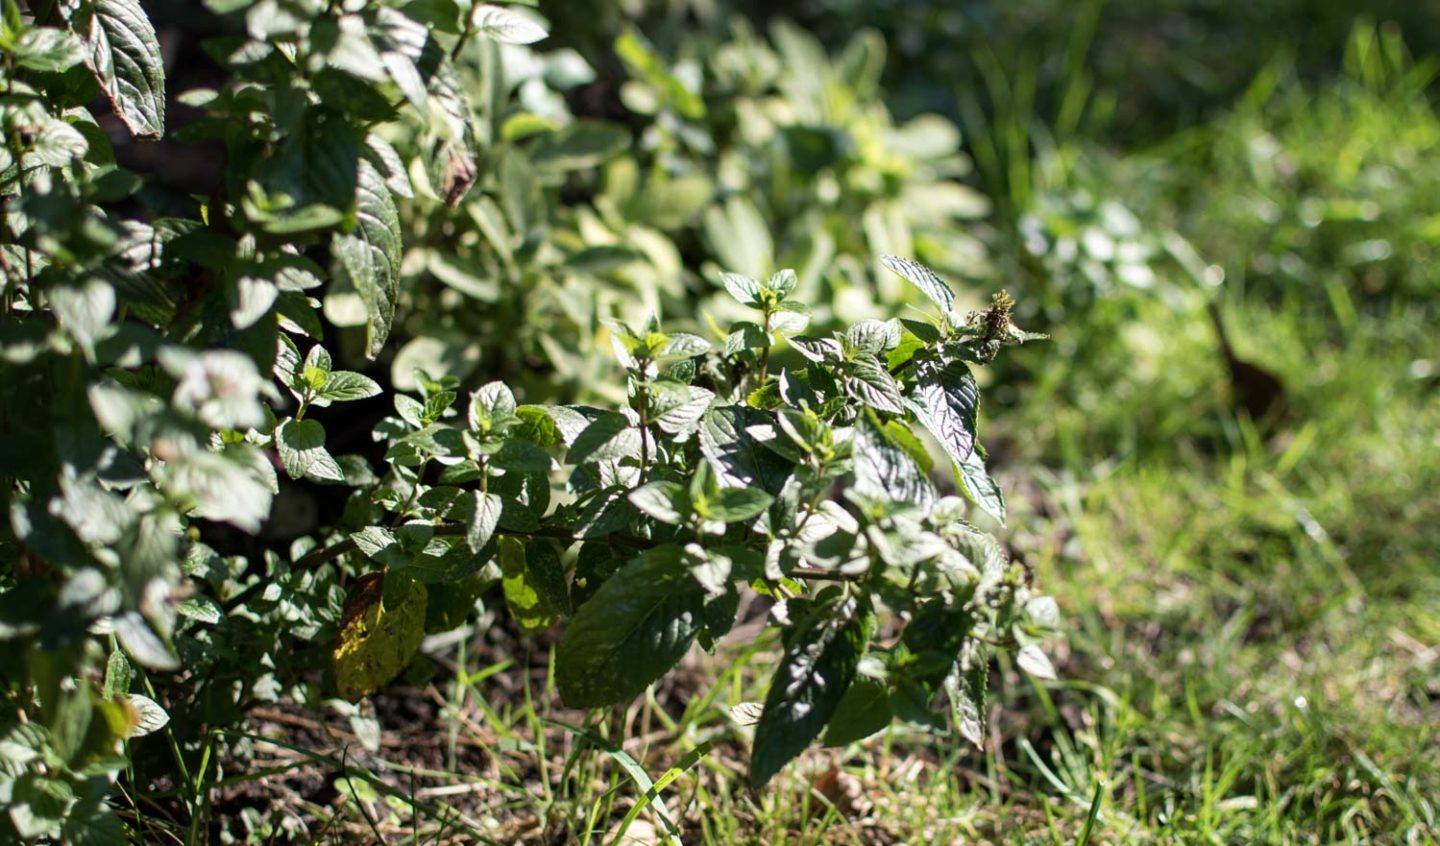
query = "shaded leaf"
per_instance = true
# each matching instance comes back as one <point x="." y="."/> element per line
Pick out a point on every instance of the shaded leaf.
<point x="821" y="654"/>
<point x="369" y="258"/>
<point x="534" y="583"/>
<point x="380" y="631"/>
<point x="636" y="627"/>
<point x="864" y="710"/>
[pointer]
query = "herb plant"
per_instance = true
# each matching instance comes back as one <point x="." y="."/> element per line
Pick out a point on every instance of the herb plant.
<point x="164" y="372"/>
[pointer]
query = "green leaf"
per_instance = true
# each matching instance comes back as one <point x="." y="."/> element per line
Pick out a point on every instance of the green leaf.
<point x="738" y="459"/>
<point x="505" y="25"/>
<point x="251" y="299"/>
<point x="123" y="53"/>
<point x="150" y="717"/>
<point x="38" y="804"/>
<point x="875" y="386"/>
<point x="667" y="502"/>
<point x="818" y="350"/>
<point x="369" y="258"/>
<point x="733" y="505"/>
<point x="318" y="359"/>
<point x="580" y="145"/>
<point x="821" y="654"/>
<point x="603" y="439"/>
<point x="594" y="563"/>
<point x="56" y="145"/>
<point x="484" y="517"/>
<point x="980" y="488"/>
<point x="950" y="400"/>
<point x="923" y="278"/>
<point x="84" y="311"/>
<point x="521" y="457"/>
<point x="380" y="631"/>
<point x="222" y="488"/>
<point x="491" y="405"/>
<point x="93" y="823"/>
<point x="637" y="626"/>
<point x="874" y="336"/>
<point x="683" y="417"/>
<point x="381" y="546"/>
<point x="534" y="583"/>
<point x="647" y="64"/>
<point x="389" y="165"/>
<point x="48" y="50"/>
<point x="742" y="288"/>
<point x="684" y="345"/>
<point x="885" y="471"/>
<point x="118" y="675"/>
<point x="537" y="426"/>
<point x="301" y="444"/>
<point x="782" y="283"/>
<point x="346" y="386"/>
<point x="965" y="688"/>
<point x="1033" y="660"/>
<point x="864" y="710"/>
<point x="142" y="643"/>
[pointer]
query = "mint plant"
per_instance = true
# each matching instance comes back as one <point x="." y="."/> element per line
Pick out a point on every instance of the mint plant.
<point x="164" y="371"/>
<point x="808" y="484"/>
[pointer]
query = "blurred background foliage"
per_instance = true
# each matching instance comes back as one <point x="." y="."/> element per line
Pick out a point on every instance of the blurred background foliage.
<point x="1256" y="645"/>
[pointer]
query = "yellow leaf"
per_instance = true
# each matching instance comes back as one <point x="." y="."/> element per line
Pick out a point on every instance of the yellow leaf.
<point x="377" y="637"/>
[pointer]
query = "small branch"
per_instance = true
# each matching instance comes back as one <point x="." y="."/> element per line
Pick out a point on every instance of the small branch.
<point x="810" y="575"/>
<point x="765" y="352"/>
<point x="329" y="553"/>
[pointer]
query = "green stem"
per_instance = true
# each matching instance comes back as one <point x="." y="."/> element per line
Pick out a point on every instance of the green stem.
<point x="329" y="553"/>
<point x="414" y="495"/>
<point x="465" y="37"/>
<point x="202" y="796"/>
<point x="642" y="404"/>
<point x="765" y="352"/>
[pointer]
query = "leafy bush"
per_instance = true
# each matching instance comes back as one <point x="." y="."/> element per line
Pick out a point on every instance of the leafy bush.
<point x="810" y="167"/>
<point x="164" y="379"/>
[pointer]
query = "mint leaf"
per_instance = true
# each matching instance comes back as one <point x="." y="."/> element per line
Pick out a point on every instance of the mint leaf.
<point x="949" y="399"/>
<point x="124" y="55"/>
<point x="534" y="583"/>
<point x="863" y="710"/>
<point x="667" y="502"/>
<point x="301" y="444"/>
<point x="484" y="517"/>
<point x="505" y="25"/>
<point x="821" y="654"/>
<point x="980" y="488"/>
<point x="368" y="259"/>
<point x="636" y="627"/>
<point x="923" y="278"/>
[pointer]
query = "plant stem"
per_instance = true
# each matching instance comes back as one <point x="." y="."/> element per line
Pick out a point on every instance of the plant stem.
<point x="335" y="550"/>
<point x="765" y="352"/>
<point x="642" y="405"/>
